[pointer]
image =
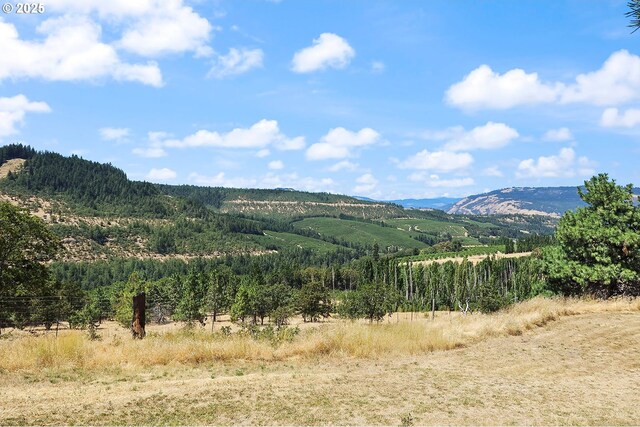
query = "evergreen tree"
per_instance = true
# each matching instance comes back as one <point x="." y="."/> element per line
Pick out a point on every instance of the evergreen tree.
<point x="598" y="247"/>
<point x="219" y="296"/>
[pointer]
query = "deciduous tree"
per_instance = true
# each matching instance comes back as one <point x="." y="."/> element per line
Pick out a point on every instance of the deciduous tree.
<point x="25" y="246"/>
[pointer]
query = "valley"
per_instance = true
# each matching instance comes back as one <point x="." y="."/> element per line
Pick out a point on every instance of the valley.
<point x="128" y="219"/>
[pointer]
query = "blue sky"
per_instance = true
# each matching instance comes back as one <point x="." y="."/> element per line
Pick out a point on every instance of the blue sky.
<point x="372" y="98"/>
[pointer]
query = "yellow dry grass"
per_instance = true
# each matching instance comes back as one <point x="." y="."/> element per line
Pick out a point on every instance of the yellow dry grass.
<point x="72" y="349"/>
<point x="473" y="259"/>
<point x="542" y="362"/>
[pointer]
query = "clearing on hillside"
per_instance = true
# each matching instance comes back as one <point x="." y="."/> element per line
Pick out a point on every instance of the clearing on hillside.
<point x="13" y="165"/>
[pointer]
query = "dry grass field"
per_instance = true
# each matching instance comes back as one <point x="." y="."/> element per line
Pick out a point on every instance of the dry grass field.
<point x="541" y="362"/>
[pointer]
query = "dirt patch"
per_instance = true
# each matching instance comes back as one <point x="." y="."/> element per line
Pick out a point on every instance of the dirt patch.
<point x="13" y="166"/>
<point x="474" y="259"/>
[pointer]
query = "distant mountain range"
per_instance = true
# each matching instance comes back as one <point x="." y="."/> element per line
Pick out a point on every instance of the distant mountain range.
<point x="90" y="187"/>
<point x="545" y="201"/>
<point x="548" y="201"/>
<point x="442" y="203"/>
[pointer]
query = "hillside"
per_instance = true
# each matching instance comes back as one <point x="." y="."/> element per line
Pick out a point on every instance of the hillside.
<point x="281" y="203"/>
<point x="546" y="201"/>
<point x="100" y="214"/>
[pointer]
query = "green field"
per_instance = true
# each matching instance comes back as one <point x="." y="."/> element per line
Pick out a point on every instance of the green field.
<point x="360" y="232"/>
<point x="290" y="240"/>
<point x="428" y="226"/>
<point x="481" y="224"/>
<point x="432" y="226"/>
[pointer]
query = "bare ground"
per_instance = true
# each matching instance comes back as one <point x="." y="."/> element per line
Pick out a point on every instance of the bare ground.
<point x="13" y="165"/>
<point x="474" y="259"/>
<point x="579" y="370"/>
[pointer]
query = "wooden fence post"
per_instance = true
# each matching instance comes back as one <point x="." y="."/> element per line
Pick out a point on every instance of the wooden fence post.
<point x="138" y="321"/>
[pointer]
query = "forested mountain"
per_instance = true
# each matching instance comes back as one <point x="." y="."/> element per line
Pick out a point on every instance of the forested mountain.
<point x="283" y="203"/>
<point x="103" y="189"/>
<point x="88" y="187"/>
<point x="100" y="214"/>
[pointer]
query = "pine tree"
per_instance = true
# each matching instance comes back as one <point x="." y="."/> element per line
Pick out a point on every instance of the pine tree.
<point x="598" y="247"/>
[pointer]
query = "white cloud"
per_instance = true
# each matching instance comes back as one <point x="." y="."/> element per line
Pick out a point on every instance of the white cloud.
<point x="155" y="148"/>
<point x="71" y="50"/>
<point x="367" y="178"/>
<point x="434" y="181"/>
<point x="367" y="183"/>
<point x="328" y="51"/>
<point x="149" y="27"/>
<point x="451" y="183"/>
<point x="292" y="180"/>
<point x="12" y="112"/>
<point x="163" y="174"/>
<point x="616" y="82"/>
<point x="275" y="165"/>
<point x="344" y="165"/>
<point x="339" y="142"/>
<point x="169" y="30"/>
<point x="484" y="88"/>
<point x="157" y="137"/>
<point x="263" y="153"/>
<point x="113" y="134"/>
<point x="487" y="137"/>
<point x="564" y="164"/>
<point x="69" y="45"/>
<point x="260" y="135"/>
<point x="149" y="152"/>
<point x="492" y="171"/>
<point x="345" y="138"/>
<point x="221" y="180"/>
<point x="270" y="180"/>
<point x="439" y="161"/>
<point x="558" y="135"/>
<point x="236" y="62"/>
<point x="286" y="144"/>
<point x="611" y="117"/>
<point x="323" y="151"/>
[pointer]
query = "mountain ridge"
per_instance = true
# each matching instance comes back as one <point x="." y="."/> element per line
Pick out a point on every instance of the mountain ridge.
<point x="543" y="201"/>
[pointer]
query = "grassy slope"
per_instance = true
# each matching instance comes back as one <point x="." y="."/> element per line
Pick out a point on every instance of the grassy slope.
<point x="457" y="231"/>
<point x="290" y="240"/>
<point x="360" y="232"/>
<point x="512" y="367"/>
<point x="428" y="225"/>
